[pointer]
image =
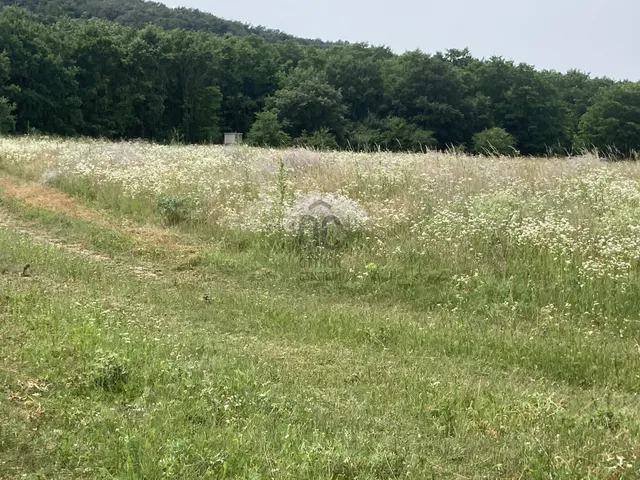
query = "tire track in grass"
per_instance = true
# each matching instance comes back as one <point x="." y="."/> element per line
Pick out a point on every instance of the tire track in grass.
<point x="47" y="198"/>
<point x="9" y="222"/>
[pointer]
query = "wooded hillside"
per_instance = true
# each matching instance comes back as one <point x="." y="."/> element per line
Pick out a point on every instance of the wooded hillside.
<point x="142" y="70"/>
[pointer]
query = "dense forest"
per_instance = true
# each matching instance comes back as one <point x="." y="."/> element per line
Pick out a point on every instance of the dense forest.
<point x="135" y="69"/>
<point x="139" y="13"/>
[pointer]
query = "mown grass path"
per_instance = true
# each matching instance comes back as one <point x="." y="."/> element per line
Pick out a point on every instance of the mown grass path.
<point x="131" y="351"/>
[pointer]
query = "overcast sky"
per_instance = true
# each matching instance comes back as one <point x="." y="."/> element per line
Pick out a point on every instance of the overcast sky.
<point x="601" y="37"/>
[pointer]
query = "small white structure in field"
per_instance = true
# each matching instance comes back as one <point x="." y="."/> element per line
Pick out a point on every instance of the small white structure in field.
<point x="232" y="138"/>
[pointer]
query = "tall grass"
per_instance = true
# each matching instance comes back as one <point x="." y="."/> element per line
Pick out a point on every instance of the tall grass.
<point x="466" y="232"/>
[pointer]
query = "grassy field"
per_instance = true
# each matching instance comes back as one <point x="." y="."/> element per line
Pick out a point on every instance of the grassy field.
<point x="170" y="312"/>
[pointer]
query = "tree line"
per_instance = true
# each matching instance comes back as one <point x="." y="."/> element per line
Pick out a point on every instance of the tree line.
<point x="87" y="76"/>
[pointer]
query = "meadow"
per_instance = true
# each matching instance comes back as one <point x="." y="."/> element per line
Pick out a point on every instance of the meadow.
<point x="235" y="312"/>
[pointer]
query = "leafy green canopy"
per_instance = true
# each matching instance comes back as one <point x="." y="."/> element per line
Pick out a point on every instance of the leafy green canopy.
<point x="612" y="123"/>
<point x="115" y="75"/>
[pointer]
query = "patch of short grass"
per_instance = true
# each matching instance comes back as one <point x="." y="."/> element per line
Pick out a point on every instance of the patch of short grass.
<point x="108" y="375"/>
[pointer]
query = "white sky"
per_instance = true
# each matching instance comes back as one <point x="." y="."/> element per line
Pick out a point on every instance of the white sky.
<point x="601" y="37"/>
